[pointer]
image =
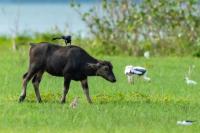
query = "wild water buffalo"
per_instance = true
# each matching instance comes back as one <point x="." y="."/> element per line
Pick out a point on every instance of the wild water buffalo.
<point x="70" y="62"/>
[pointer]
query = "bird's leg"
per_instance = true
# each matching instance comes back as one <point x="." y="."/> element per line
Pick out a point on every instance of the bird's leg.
<point x="130" y="79"/>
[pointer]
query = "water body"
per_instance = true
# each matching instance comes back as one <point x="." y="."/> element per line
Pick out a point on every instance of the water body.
<point x="42" y="16"/>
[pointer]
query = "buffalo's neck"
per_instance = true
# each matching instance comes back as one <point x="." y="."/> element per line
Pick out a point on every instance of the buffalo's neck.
<point x="90" y="71"/>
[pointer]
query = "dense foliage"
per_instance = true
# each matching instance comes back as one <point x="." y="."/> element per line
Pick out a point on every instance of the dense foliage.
<point x="162" y="27"/>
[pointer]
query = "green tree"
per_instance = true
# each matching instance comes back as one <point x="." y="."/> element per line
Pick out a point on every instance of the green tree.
<point x="162" y="27"/>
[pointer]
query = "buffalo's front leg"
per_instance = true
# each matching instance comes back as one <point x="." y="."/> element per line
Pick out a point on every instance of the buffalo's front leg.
<point x="86" y="90"/>
<point x="65" y="90"/>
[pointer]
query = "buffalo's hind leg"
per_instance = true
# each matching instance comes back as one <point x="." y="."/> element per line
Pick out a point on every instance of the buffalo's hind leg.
<point x="84" y="84"/>
<point x="26" y="78"/>
<point x="36" y="82"/>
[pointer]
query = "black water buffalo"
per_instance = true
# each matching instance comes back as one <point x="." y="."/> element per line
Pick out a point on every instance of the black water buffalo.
<point x="70" y="62"/>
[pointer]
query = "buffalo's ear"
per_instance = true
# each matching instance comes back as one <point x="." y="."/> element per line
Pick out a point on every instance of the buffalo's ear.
<point x="94" y="65"/>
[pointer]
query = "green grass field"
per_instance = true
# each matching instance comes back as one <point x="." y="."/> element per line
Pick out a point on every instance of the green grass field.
<point x="144" y="107"/>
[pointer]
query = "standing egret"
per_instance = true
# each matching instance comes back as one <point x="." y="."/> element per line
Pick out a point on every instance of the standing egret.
<point x="189" y="81"/>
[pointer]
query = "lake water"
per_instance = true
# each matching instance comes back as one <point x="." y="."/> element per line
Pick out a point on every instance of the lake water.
<point x="41" y="17"/>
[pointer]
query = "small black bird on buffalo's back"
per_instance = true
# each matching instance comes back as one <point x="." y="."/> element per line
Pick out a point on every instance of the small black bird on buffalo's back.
<point x="66" y="38"/>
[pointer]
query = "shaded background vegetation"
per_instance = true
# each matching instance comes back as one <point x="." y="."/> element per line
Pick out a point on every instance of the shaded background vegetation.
<point x="129" y="27"/>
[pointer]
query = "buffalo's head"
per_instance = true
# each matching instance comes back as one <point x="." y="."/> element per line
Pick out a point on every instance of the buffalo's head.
<point x="104" y="69"/>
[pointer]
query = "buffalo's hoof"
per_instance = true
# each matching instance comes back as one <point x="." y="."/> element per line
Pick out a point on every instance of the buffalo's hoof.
<point x="90" y="102"/>
<point x="62" y="101"/>
<point x="39" y="101"/>
<point x="21" y="99"/>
